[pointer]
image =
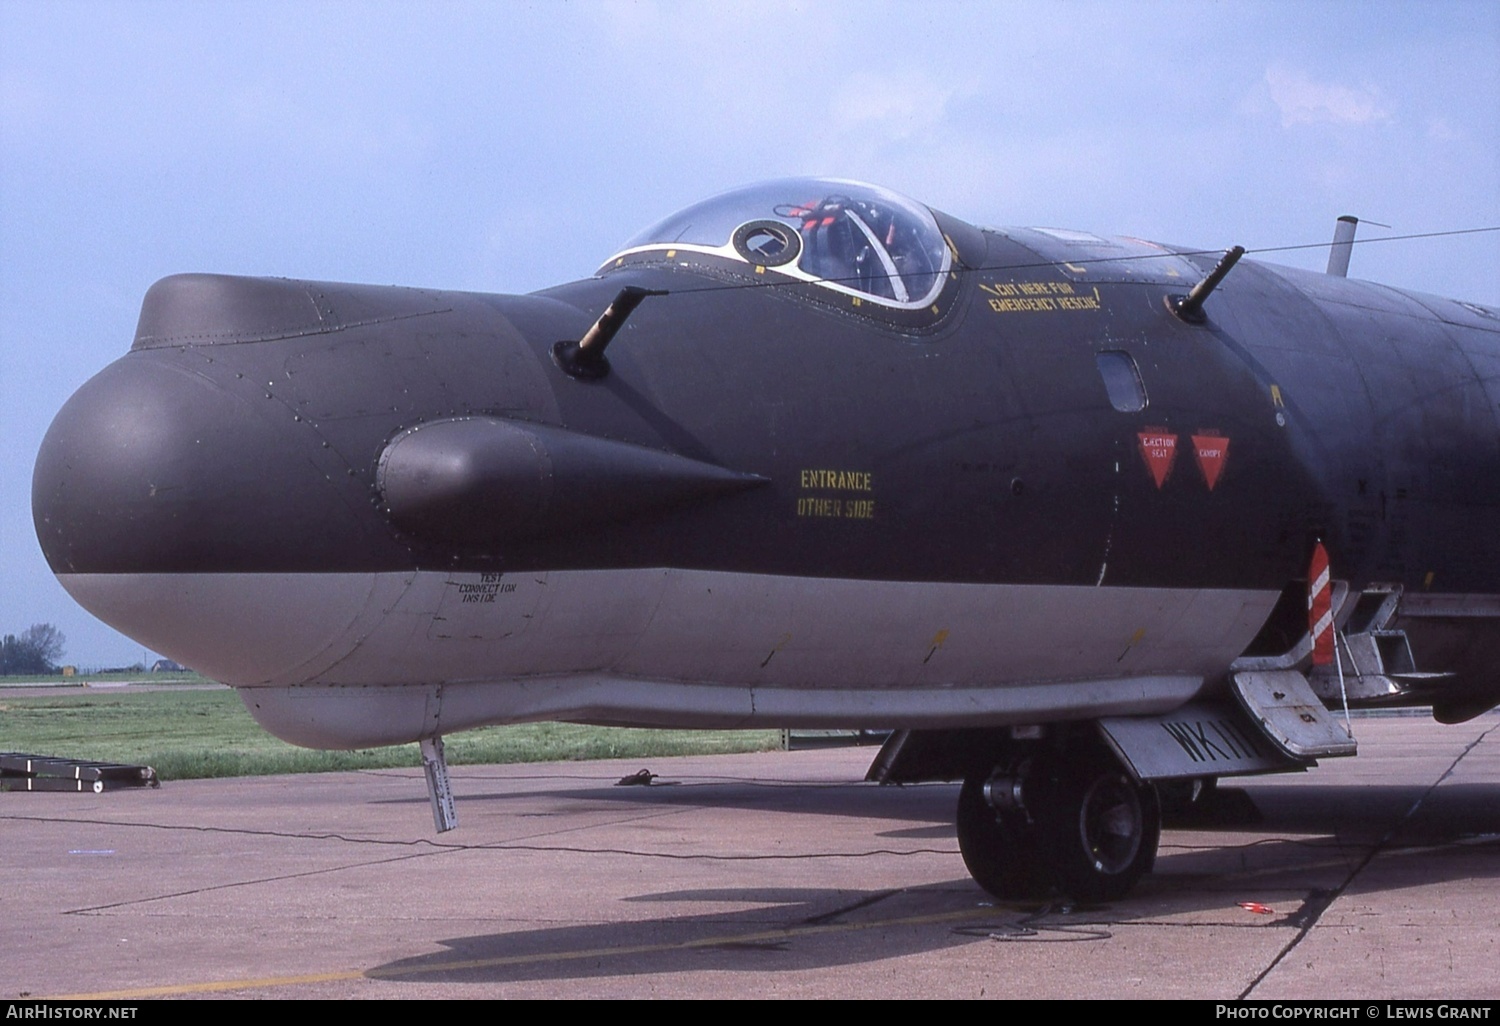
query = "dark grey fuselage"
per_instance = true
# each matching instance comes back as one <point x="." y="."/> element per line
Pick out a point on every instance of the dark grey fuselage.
<point x="815" y="516"/>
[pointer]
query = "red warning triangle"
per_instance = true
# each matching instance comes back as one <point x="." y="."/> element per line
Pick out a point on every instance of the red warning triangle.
<point x="1159" y="450"/>
<point x="1212" y="451"/>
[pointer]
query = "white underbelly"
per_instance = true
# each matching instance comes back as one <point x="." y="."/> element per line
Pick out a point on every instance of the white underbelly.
<point x="345" y="660"/>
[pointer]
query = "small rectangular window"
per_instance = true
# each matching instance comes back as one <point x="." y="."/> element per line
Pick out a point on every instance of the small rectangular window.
<point x="1122" y="380"/>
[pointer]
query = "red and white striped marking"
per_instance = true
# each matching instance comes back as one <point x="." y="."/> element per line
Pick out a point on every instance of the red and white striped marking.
<point x="1320" y="606"/>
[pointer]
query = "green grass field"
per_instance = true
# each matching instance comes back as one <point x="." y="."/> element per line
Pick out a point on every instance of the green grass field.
<point x="109" y="677"/>
<point x="193" y="732"/>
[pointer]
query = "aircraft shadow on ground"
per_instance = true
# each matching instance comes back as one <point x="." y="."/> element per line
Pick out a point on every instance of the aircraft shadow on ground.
<point x="792" y="930"/>
<point x="1303" y="807"/>
<point x="1453" y="835"/>
<point x="931" y="803"/>
<point x="788" y="930"/>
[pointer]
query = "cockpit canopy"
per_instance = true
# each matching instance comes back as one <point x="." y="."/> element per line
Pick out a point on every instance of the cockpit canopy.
<point x="865" y="242"/>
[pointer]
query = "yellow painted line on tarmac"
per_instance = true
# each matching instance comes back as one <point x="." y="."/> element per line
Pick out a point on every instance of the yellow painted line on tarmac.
<point x="539" y="958"/>
<point x="176" y="989"/>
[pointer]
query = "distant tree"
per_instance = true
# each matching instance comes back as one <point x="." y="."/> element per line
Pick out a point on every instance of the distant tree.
<point x="12" y="656"/>
<point x="47" y="641"/>
<point x="37" y="650"/>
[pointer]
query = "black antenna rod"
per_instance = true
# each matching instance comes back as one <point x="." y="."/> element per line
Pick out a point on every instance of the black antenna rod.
<point x="585" y="358"/>
<point x="1190" y="307"/>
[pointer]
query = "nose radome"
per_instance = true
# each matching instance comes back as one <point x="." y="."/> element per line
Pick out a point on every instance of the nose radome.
<point x="167" y="504"/>
<point x="129" y="467"/>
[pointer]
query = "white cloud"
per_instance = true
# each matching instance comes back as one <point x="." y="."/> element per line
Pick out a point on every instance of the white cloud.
<point x="1303" y="101"/>
<point x="893" y="106"/>
<point x="1440" y="129"/>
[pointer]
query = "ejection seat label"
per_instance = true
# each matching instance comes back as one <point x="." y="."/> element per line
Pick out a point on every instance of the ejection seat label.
<point x="1159" y="450"/>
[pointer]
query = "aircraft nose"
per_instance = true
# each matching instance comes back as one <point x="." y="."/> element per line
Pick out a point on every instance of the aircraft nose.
<point x="127" y="467"/>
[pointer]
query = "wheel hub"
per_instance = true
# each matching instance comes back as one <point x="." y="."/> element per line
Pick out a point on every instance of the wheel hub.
<point x="1111" y="824"/>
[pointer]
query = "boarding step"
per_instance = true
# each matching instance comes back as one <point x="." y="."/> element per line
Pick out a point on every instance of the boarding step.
<point x="1379" y="651"/>
<point x="1291" y="714"/>
<point x="1374" y="689"/>
<point x="1373" y="667"/>
<point x="21" y="772"/>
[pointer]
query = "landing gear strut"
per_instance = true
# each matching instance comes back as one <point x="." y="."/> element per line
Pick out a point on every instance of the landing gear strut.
<point x="1069" y="818"/>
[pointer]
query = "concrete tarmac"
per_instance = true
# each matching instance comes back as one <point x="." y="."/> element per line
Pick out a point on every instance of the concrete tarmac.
<point x="749" y="876"/>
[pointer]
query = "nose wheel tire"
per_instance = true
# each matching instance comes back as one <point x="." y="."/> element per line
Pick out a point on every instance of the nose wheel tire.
<point x="1085" y="827"/>
<point x="1100" y="829"/>
<point x="999" y="846"/>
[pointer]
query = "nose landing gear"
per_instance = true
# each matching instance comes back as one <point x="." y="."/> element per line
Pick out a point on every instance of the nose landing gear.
<point x="1069" y="818"/>
<point x="997" y="838"/>
<point x="1100" y="829"/>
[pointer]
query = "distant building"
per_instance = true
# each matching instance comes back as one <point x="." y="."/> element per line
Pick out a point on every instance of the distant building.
<point x="167" y="666"/>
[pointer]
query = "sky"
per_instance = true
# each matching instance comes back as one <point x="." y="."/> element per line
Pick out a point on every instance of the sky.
<point x="506" y="146"/>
